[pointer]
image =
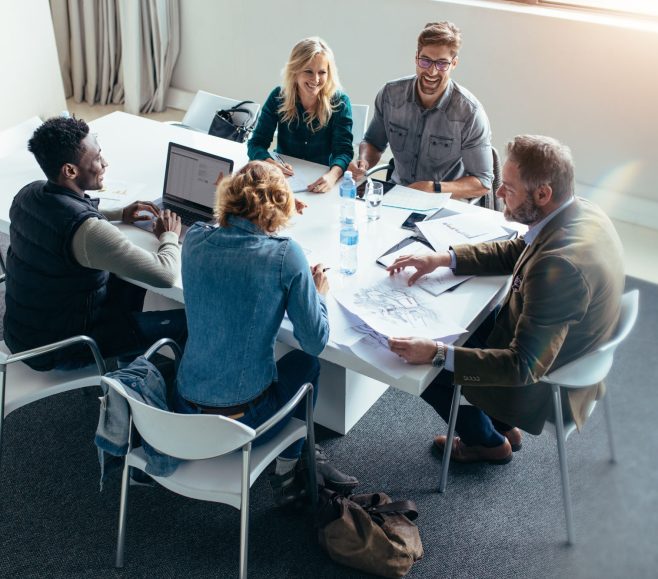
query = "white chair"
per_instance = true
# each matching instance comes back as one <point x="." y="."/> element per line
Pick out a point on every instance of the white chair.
<point x="359" y="123"/>
<point x="220" y="463"/>
<point x="21" y="385"/>
<point x="590" y="369"/>
<point x="202" y="110"/>
<point x="16" y="138"/>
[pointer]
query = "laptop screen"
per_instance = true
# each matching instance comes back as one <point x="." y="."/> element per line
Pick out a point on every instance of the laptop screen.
<point x="191" y="178"/>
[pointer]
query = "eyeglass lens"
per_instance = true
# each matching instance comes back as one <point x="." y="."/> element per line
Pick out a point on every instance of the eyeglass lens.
<point x="441" y="65"/>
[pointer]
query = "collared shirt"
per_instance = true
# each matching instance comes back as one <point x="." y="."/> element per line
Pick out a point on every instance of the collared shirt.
<point x="443" y="143"/>
<point x="329" y="145"/>
<point x="239" y="282"/>
<point x="529" y="239"/>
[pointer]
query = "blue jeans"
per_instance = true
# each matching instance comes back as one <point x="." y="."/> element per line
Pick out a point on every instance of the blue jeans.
<point x="123" y="329"/>
<point x="293" y="369"/>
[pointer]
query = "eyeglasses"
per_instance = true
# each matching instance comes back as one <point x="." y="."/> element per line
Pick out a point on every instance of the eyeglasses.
<point x="441" y="65"/>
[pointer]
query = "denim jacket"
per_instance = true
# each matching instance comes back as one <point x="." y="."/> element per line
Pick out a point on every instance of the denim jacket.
<point x="143" y="382"/>
<point x="238" y="284"/>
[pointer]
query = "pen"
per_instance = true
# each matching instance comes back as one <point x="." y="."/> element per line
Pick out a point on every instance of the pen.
<point x="278" y="158"/>
<point x="325" y="269"/>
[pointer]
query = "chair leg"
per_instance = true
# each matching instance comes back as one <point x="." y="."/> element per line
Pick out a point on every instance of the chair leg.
<point x="607" y="411"/>
<point x="244" y="510"/>
<point x="3" y="380"/>
<point x="123" y="512"/>
<point x="310" y="449"/>
<point x="447" y="451"/>
<point x="562" y="454"/>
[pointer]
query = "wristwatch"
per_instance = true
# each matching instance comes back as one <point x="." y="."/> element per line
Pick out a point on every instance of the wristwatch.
<point x="437" y="186"/>
<point x="439" y="359"/>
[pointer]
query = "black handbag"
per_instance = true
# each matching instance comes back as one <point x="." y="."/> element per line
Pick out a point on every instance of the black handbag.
<point x="235" y="123"/>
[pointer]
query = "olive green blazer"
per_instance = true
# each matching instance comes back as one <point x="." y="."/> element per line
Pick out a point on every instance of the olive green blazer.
<point x="564" y="302"/>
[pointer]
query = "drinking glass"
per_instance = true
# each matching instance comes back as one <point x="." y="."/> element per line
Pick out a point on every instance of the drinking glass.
<point x="374" y="196"/>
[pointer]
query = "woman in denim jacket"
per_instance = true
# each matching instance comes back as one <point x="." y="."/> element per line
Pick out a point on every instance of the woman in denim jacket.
<point x="239" y="280"/>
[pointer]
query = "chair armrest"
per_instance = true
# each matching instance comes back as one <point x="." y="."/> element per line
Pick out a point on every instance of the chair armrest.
<point x="34" y="352"/>
<point x="376" y="169"/>
<point x="161" y="343"/>
<point x="285" y="410"/>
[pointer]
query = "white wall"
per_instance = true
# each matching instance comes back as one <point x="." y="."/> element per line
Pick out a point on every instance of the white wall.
<point x="31" y="81"/>
<point x="593" y="86"/>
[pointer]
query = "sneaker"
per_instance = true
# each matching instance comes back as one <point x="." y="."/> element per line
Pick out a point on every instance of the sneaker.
<point x="328" y="475"/>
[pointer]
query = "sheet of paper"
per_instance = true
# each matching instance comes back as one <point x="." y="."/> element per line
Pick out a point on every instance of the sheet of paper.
<point x="441" y="280"/>
<point x="373" y="348"/>
<point x="460" y="228"/>
<point x="393" y="308"/>
<point x="414" y="248"/>
<point x="405" y="198"/>
<point x="297" y="183"/>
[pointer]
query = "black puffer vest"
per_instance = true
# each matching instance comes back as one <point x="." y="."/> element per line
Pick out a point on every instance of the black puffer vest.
<point x="49" y="295"/>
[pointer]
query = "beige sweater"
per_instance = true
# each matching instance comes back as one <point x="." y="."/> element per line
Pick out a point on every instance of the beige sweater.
<point x="98" y="244"/>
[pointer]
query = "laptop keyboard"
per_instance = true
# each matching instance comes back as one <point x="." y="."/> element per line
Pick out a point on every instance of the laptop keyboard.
<point x="187" y="217"/>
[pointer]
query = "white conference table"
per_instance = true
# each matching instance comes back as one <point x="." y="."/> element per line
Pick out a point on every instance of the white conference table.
<point x="136" y="150"/>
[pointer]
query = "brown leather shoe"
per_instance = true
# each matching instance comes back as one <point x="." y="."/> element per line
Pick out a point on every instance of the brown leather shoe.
<point x="514" y="437"/>
<point x="461" y="453"/>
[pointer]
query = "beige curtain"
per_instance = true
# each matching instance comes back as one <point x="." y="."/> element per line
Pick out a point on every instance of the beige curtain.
<point x="98" y="40"/>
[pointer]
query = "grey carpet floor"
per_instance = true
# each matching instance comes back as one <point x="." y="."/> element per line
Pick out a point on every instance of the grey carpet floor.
<point x="493" y="521"/>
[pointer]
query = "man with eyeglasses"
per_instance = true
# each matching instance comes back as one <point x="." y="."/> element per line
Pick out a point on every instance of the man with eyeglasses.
<point x="438" y="131"/>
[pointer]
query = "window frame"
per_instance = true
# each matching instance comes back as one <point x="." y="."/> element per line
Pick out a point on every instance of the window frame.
<point x="575" y="5"/>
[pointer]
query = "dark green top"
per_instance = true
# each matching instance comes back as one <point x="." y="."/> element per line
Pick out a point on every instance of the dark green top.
<point x="330" y="145"/>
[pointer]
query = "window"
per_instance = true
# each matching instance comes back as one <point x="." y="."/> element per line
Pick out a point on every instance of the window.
<point x="641" y="7"/>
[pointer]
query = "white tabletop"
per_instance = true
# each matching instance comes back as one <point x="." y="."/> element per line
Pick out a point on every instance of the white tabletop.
<point x="136" y="150"/>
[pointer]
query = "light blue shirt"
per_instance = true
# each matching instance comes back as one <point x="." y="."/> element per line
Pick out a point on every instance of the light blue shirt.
<point x="529" y="238"/>
<point x="238" y="283"/>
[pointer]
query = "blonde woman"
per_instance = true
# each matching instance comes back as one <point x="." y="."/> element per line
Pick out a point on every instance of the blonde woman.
<point x="312" y="114"/>
<point x="240" y="279"/>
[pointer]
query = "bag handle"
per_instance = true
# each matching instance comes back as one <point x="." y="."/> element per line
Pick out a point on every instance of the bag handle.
<point x="407" y="508"/>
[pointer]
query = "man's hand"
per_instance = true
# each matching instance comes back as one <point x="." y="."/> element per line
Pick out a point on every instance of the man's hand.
<point x="300" y="206"/>
<point x="424" y="264"/>
<point x="320" y="278"/>
<point x="358" y="168"/>
<point x="414" y="350"/>
<point x="139" y="211"/>
<point x="285" y="167"/>
<point x="427" y="186"/>
<point x="167" y="221"/>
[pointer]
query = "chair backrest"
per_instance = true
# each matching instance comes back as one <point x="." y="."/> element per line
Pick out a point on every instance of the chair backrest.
<point x="185" y="436"/>
<point x="359" y="123"/>
<point x="496" y="203"/>
<point x="594" y="367"/>
<point x="203" y="108"/>
<point x="16" y="138"/>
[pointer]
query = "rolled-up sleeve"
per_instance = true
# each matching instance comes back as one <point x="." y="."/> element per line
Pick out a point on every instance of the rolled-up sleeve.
<point x="476" y="148"/>
<point x="342" y="149"/>
<point x="376" y="132"/>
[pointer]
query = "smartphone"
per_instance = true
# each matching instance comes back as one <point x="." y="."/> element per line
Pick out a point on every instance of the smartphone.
<point x="410" y="222"/>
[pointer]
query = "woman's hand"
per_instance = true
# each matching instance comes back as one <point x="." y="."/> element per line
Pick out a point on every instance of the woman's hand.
<point x="320" y="278"/>
<point x="327" y="181"/>
<point x="285" y="167"/>
<point x="300" y="206"/>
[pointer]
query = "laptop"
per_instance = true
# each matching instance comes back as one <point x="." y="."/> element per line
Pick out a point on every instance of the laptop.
<point x="190" y="183"/>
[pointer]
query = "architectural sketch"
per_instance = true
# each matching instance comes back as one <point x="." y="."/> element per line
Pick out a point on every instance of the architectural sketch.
<point x="394" y="305"/>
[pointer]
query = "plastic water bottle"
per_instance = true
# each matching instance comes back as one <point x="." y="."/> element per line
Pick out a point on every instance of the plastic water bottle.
<point x="347" y="199"/>
<point x="349" y="244"/>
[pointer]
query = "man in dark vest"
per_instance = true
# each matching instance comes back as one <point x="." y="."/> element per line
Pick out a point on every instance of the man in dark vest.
<point x="65" y="257"/>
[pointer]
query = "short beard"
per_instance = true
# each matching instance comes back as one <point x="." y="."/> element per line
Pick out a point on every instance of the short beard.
<point x="528" y="213"/>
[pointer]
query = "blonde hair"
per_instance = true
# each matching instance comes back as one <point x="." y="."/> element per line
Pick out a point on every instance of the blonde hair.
<point x="300" y="57"/>
<point x="258" y="192"/>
